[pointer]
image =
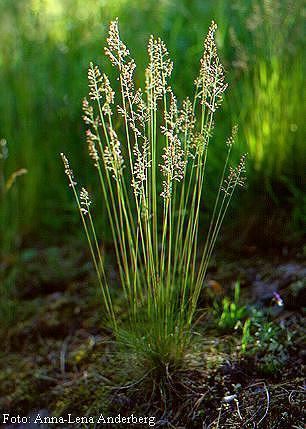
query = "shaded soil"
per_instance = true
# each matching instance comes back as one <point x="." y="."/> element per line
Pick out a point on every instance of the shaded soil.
<point x="58" y="357"/>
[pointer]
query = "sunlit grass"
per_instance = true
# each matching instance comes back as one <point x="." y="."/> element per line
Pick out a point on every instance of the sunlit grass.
<point x="273" y="119"/>
<point x="152" y="183"/>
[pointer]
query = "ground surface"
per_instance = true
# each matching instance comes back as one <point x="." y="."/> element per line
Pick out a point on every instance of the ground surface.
<point x="57" y="356"/>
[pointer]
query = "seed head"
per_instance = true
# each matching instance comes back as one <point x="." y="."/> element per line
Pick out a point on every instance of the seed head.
<point x="116" y="50"/>
<point x="100" y="88"/>
<point x="85" y="201"/>
<point x="112" y="155"/>
<point x="68" y="170"/>
<point x="159" y="69"/>
<point x="185" y="124"/>
<point x="173" y="167"/>
<point x="186" y="117"/>
<point x="92" y="150"/>
<point x="210" y="82"/>
<point x="171" y="115"/>
<point x="236" y="177"/>
<point x="231" y="140"/>
<point x="88" y="116"/>
<point x="141" y="165"/>
<point x="127" y="78"/>
<point x="138" y="114"/>
<point x="200" y="141"/>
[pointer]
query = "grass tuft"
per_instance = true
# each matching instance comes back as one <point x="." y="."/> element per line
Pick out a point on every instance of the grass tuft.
<point x="150" y="154"/>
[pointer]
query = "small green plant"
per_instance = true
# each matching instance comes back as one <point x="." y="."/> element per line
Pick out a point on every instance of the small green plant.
<point x="266" y="341"/>
<point x="152" y="185"/>
<point x="232" y="312"/>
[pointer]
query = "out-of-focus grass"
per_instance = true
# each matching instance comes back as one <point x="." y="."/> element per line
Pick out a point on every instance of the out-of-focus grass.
<point x="273" y="119"/>
<point x="271" y="89"/>
<point x="46" y="46"/>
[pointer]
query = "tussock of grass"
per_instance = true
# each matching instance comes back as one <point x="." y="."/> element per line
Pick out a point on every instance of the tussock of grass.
<point x="152" y="183"/>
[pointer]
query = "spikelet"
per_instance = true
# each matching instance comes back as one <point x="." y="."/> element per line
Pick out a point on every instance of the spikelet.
<point x="186" y="118"/>
<point x="141" y="164"/>
<point x="100" y="88"/>
<point x="138" y="115"/>
<point x="210" y="82"/>
<point x="236" y="177"/>
<point x="94" y="82"/>
<point x="92" y="150"/>
<point x="68" y="171"/>
<point x="140" y="111"/>
<point x="231" y="140"/>
<point x="109" y="95"/>
<point x="186" y="124"/>
<point x="116" y="50"/>
<point x="174" y="156"/>
<point x="174" y="163"/>
<point x="198" y="145"/>
<point x="159" y="69"/>
<point x="84" y="201"/>
<point x="200" y="140"/>
<point x="127" y="78"/>
<point x="137" y="120"/>
<point x="112" y="155"/>
<point x="88" y="115"/>
<point x="171" y="115"/>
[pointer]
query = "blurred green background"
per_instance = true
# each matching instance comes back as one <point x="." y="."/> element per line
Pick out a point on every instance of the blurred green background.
<point x="46" y="46"/>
